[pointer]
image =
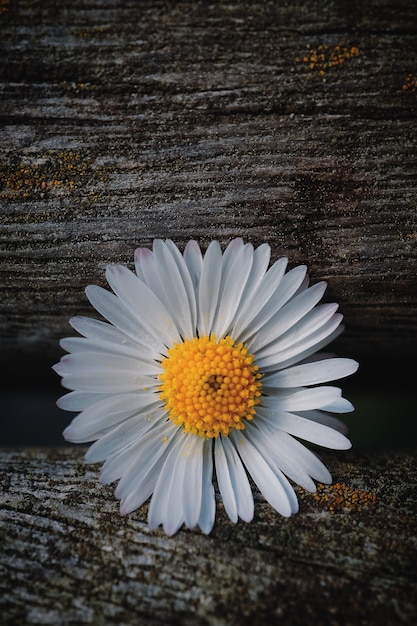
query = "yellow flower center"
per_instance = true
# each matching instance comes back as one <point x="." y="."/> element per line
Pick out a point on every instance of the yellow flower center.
<point x="210" y="387"/>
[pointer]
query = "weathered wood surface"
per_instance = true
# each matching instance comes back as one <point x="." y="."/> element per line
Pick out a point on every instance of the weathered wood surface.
<point x="68" y="557"/>
<point x="293" y="123"/>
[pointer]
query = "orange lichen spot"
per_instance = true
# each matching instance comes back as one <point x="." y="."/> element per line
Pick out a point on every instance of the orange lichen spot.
<point x="77" y="87"/>
<point x="4" y="6"/>
<point x="340" y="496"/>
<point x="410" y="83"/>
<point x="51" y="170"/>
<point x="326" y="57"/>
<point x="85" y="33"/>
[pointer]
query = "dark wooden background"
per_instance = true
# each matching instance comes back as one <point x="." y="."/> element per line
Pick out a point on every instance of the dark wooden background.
<point x="287" y="122"/>
<point x="68" y="557"/>
<point x="292" y="123"/>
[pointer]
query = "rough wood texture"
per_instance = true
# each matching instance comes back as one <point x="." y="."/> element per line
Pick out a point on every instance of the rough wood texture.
<point x="289" y="122"/>
<point x="68" y="557"/>
<point x="292" y="123"/>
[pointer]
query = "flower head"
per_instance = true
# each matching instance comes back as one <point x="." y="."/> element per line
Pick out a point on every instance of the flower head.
<point x="205" y="365"/>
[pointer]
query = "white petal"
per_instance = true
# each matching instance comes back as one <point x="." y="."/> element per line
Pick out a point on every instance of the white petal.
<point x="224" y="481"/>
<point x="264" y="291"/>
<point x="141" y="491"/>
<point x="209" y="288"/>
<point x="124" y="435"/>
<point x="137" y="464"/>
<point x="139" y="253"/>
<point x="80" y="400"/>
<point x="318" y="356"/>
<point x="229" y="255"/>
<point x="254" y="435"/>
<point x="324" y="418"/>
<point x="267" y="481"/>
<point x="287" y="317"/>
<point x="208" y="501"/>
<point x="232" y="289"/>
<point x="194" y="262"/>
<point x="147" y="271"/>
<point x="308" y="333"/>
<point x="142" y="303"/>
<point x="339" y="405"/>
<point x="193" y="481"/>
<point x="178" y="300"/>
<point x="187" y="281"/>
<point x="119" y="464"/>
<point x="304" y="285"/>
<point x="302" y="399"/>
<point x="286" y="289"/>
<point x="311" y="342"/>
<point x="84" y="361"/>
<point x="80" y="344"/>
<point x="84" y="371"/>
<point x="308" y="430"/>
<point x="140" y="476"/>
<point x="111" y="307"/>
<point x="314" y="321"/>
<point x="166" y="506"/>
<point x="278" y="445"/>
<point x="139" y="459"/>
<point x="98" y="331"/>
<point x="261" y="257"/>
<point x="105" y="381"/>
<point x="311" y="373"/>
<point x="154" y="270"/>
<point x="297" y="460"/>
<point x="233" y="482"/>
<point x="183" y="475"/>
<point x="106" y="413"/>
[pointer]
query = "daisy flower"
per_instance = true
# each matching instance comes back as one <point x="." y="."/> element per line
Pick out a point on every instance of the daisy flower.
<point x="205" y="366"/>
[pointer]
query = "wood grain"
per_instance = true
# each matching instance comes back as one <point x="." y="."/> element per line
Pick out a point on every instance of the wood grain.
<point x="68" y="557"/>
<point x="292" y="123"/>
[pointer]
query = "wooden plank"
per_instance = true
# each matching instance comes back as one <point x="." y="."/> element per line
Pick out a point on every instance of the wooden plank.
<point x="280" y="122"/>
<point x="68" y="556"/>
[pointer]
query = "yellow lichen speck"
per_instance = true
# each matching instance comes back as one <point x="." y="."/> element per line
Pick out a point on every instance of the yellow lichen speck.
<point x="210" y="387"/>
<point x="410" y="83"/>
<point x="325" y="57"/>
<point x="340" y="496"/>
